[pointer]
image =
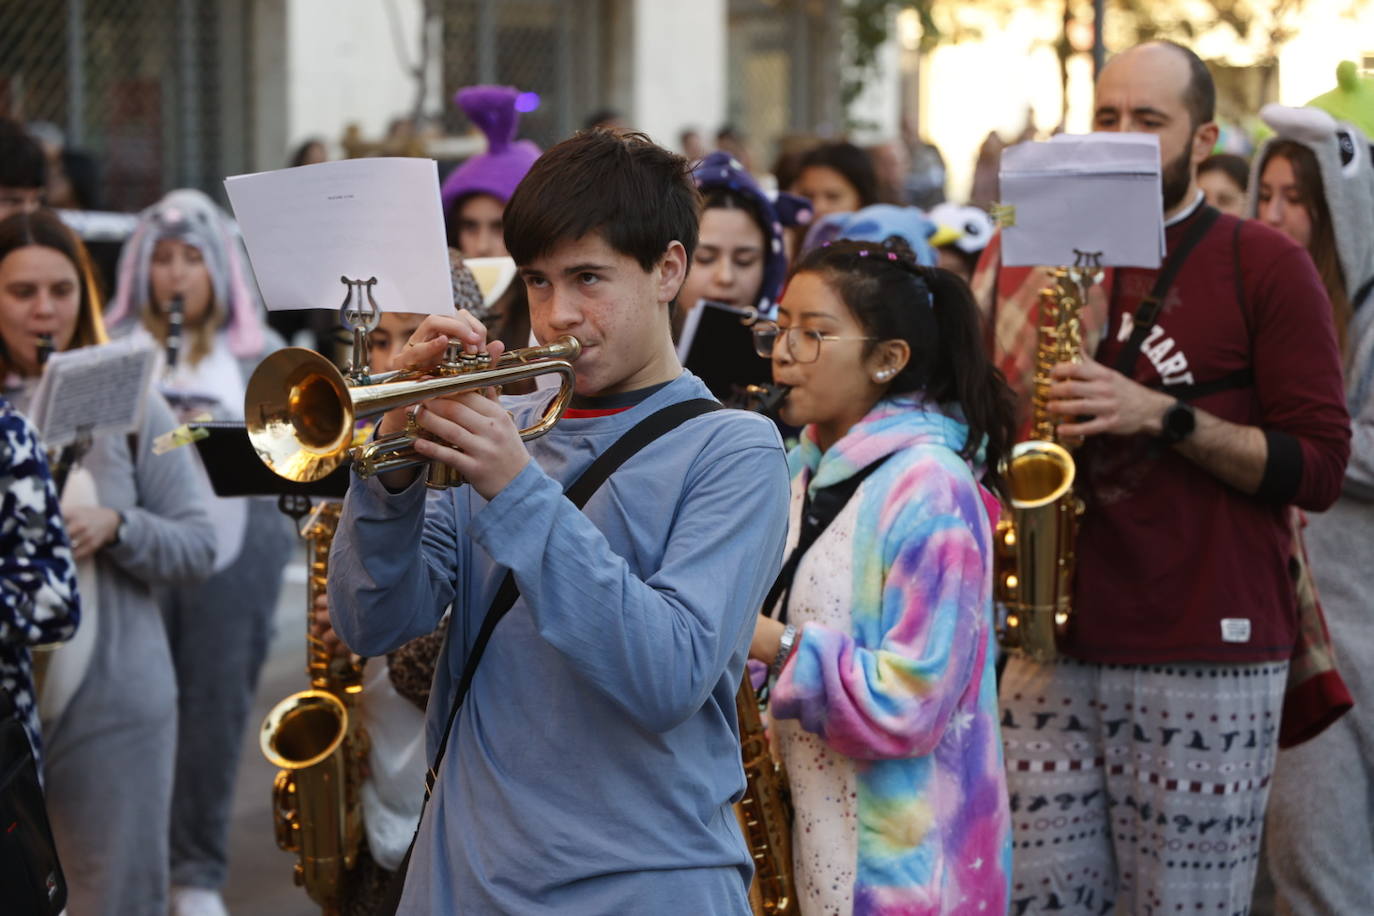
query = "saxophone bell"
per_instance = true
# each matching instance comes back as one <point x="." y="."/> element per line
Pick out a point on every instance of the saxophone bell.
<point x="315" y="739"/>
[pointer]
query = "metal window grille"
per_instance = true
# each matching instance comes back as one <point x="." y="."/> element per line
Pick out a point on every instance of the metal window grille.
<point x="556" y="48"/>
<point x="153" y="90"/>
<point x="784" y="78"/>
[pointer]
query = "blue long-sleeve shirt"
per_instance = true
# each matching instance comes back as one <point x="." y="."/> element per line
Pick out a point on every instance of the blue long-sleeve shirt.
<point x="596" y="756"/>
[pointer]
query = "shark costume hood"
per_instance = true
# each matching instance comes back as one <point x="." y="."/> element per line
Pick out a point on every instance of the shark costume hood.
<point x="1335" y="127"/>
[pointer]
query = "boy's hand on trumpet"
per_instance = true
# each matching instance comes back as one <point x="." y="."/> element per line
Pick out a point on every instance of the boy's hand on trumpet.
<point x="477" y="438"/>
<point x="423" y="351"/>
<point x="426" y="348"/>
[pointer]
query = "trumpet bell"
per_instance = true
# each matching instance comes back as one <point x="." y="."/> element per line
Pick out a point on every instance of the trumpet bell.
<point x="299" y="414"/>
<point x="300" y="410"/>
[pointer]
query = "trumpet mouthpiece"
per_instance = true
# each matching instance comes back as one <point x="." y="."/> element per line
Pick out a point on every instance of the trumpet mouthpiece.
<point x="566" y="347"/>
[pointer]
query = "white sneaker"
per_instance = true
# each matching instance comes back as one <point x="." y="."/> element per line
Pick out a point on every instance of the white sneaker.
<point x="197" y="901"/>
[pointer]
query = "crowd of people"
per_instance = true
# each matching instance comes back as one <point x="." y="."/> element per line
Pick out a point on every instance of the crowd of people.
<point x="560" y="642"/>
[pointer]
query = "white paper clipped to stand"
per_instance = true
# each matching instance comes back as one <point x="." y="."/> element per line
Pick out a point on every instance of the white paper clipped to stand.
<point x="1083" y="194"/>
<point x="93" y="391"/>
<point x="306" y="227"/>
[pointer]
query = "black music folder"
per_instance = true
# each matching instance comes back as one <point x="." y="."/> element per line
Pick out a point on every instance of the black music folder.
<point x="236" y="470"/>
<point x="718" y="347"/>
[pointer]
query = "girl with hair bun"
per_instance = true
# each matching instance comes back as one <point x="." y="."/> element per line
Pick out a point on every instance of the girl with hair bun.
<point x="884" y="705"/>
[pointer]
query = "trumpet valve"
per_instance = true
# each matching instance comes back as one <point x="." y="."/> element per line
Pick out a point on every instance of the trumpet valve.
<point x="457" y="361"/>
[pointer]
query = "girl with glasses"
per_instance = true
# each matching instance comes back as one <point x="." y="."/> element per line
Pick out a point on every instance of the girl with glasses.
<point x="884" y="707"/>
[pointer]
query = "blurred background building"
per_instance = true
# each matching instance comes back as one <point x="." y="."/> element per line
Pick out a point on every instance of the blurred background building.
<point x="170" y="93"/>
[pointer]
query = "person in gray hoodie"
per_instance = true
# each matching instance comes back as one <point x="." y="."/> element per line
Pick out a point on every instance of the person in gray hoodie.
<point x="1315" y="182"/>
<point x="184" y="286"/>
<point x="138" y="522"/>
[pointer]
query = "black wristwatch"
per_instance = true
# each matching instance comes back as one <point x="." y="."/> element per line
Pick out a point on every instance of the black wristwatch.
<point x="1179" y="422"/>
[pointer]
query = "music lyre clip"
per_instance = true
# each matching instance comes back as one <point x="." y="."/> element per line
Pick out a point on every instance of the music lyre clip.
<point x="360" y="314"/>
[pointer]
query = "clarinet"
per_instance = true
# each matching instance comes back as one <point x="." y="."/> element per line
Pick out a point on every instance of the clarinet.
<point x="176" y="313"/>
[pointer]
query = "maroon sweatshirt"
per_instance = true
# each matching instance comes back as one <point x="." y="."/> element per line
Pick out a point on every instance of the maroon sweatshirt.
<point x="1173" y="564"/>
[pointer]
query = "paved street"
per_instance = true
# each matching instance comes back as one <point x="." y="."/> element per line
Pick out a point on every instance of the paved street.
<point x="259" y="873"/>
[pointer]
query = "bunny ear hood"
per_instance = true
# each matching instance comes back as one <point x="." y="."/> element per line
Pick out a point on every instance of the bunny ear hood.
<point x="192" y="217"/>
<point x="1345" y="159"/>
<point x="499" y="170"/>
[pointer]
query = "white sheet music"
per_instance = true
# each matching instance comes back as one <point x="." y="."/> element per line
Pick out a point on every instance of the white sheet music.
<point x="93" y="390"/>
<point x="306" y="227"/>
<point x="1093" y="193"/>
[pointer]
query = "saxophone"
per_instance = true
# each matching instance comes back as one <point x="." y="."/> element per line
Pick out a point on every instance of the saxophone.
<point x="316" y="740"/>
<point x="1034" y="542"/>
<point x="764" y="813"/>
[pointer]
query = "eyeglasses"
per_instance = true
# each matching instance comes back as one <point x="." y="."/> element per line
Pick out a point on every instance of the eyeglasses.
<point x="804" y="344"/>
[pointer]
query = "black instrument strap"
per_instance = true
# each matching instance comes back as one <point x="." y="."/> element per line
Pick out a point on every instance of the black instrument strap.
<point x="581" y="490"/>
<point x="1241" y="378"/>
<point x="817" y="514"/>
<point x="588" y="482"/>
<point x="1147" y="313"/>
<point x="1362" y="294"/>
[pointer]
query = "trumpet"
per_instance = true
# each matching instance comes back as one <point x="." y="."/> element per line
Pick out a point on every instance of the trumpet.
<point x="301" y="411"/>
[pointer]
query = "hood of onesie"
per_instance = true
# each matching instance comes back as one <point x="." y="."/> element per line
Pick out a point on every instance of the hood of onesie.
<point x="720" y="170"/>
<point x="1345" y="159"/>
<point x="192" y="217"/>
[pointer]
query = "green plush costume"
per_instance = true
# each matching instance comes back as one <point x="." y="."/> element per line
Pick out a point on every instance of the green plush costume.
<point x="1352" y="100"/>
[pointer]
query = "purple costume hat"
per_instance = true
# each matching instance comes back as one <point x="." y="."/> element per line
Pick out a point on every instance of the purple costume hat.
<point x="721" y="170"/>
<point x="500" y="168"/>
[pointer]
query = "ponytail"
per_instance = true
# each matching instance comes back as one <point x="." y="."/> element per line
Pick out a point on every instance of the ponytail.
<point x="934" y="312"/>
<point x="963" y="374"/>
